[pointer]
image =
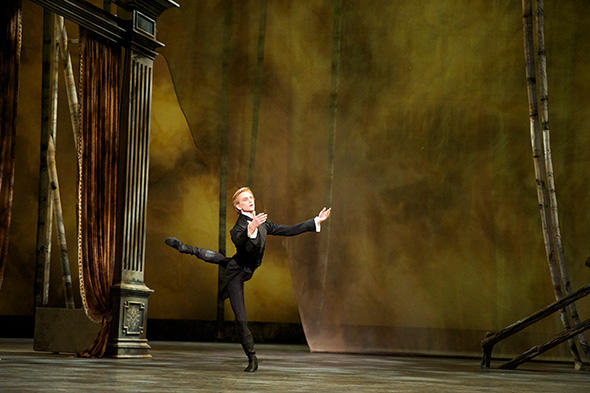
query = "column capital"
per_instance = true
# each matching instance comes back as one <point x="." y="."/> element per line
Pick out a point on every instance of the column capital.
<point x="151" y="8"/>
<point x="140" y="17"/>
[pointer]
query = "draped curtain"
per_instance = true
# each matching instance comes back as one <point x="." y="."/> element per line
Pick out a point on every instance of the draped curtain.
<point x="98" y="157"/>
<point x="10" y="47"/>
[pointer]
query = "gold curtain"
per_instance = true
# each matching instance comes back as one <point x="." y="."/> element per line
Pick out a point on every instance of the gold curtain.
<point x="99" y="151"/>
<point x="10" y="47"/>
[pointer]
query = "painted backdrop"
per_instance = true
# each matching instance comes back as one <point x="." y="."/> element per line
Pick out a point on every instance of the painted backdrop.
<point x="435" y="235"/>
<point x="425" y="158"/>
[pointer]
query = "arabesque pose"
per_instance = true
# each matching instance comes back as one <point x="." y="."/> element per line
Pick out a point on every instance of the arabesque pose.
<point x="249" y="237"/>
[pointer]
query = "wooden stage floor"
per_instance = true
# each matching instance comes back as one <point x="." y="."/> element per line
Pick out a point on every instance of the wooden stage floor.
<point x="217" y="367"/>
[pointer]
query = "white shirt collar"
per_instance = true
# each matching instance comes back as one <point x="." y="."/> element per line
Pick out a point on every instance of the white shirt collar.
<point x="247" y="214"/>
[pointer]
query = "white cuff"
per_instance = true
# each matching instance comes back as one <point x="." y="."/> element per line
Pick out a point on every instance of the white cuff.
<point x="254" y="234"/>
<point x="318" y="226"/>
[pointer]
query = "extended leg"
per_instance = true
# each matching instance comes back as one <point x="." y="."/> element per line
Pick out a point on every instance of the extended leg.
<point x="236" y="298"/>
<point x="201" y="253"/>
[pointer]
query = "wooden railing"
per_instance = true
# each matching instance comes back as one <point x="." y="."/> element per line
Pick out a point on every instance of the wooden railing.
<point x="491" y="339"/>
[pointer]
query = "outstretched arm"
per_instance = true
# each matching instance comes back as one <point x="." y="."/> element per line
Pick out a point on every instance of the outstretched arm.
<point x="306" y="226"/>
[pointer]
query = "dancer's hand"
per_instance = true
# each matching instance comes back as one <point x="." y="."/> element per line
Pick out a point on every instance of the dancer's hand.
<point x="324" y="214"/>
<point x="258" y="220"/>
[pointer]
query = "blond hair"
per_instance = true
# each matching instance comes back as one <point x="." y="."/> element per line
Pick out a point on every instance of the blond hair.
<point x="237" y="194"/>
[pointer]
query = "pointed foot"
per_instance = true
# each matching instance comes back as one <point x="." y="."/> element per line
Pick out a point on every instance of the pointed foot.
<point x="173" y="242"/>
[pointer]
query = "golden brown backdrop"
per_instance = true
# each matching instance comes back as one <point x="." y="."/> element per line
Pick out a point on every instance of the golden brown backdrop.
<point x="435" y="235"/>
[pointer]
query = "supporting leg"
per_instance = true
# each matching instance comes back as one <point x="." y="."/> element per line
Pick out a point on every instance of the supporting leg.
<point x="236" y="298"/>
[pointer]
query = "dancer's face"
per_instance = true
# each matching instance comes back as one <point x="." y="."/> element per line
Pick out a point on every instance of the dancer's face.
<point x="245" y="202"/>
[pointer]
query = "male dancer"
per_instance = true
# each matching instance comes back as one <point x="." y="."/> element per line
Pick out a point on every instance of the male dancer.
<point x="249" y="236"/>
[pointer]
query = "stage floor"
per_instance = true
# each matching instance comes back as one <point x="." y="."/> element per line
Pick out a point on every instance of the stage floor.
<point x="217" y="367"/>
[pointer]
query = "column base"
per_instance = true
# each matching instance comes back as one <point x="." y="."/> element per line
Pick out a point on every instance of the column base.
<point x="128" y="348"/>
<point x="128" y="336"/>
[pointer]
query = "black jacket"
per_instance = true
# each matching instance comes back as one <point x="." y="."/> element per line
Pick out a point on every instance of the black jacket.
<point x="249" y="251"/>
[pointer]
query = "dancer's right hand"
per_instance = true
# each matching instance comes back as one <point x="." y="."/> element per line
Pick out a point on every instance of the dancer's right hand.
<point x="258" y="220"/>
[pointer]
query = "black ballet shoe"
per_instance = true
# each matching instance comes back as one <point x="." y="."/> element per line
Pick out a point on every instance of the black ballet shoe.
<point x="173" y="242"/>
<point x="180" y="246"/>
<point x="252" y="363"/>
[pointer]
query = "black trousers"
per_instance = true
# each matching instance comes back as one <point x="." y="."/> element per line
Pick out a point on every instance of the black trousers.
<point x="235" y="289"/>
<point x="233" y="286"/>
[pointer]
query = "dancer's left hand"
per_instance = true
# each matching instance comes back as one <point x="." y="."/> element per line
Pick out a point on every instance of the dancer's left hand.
<point x="324" y="214"/>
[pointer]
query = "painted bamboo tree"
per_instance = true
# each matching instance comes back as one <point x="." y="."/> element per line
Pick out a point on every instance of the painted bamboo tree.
<point x="539" y="165"/>
<point x="45" y="202"/>
<point x="544" y="99"/>
<point x="74" y="107"/>
<point x="51" y="165"/>
<point x="257" y="90"/>
<point x="70" y="82"/>
<point x="223" y="141"/>
<point x="555" y="227"/>
<point x="335" y="83"/>
<point x="59" y="224"/>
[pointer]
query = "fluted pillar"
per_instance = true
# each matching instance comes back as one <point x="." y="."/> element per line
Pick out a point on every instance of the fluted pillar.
<point x="129" y="293"/>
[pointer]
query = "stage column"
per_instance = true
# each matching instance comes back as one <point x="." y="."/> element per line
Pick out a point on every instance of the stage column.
<point x="129" y="293"/>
